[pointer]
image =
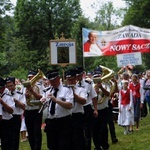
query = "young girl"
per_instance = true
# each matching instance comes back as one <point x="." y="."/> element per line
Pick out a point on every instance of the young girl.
<point x="126" y="110"/>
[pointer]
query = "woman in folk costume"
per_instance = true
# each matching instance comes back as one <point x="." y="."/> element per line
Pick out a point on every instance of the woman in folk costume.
<point x="126" y="109"/>
<point x="138" y="99"/>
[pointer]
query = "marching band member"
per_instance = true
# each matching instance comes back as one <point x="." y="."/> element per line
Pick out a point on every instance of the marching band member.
<point x="58" y="121"/>
<point x="113" y="102"/>
<point x="80" y="96"/>
<point x="46" y="86"/>
<point x="88" y="111"/>
<point x="33" y="119"/>
<point x="100" y="129"/>
<point x="7" y="104"/>
<point x="20" y="103"/>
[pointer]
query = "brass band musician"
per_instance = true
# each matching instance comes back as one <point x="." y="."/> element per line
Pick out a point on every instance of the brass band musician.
<point x="100" y="129"/>
<point x="88" y="111"/>
<point x="58" y="121"/>
<point x="105" y="86"/>
<point x="6" y="109"/>
<point x="33" y="119"/>
<point x="80" y="97"/>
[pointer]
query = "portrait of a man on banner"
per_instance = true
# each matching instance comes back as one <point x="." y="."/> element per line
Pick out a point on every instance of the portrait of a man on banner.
<point x="127" y="39"/>
<point x="92" y="45"/>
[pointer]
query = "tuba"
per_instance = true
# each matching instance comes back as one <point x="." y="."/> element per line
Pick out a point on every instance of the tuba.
<point x="107" y="75"/>
<point x="30" y="100"/>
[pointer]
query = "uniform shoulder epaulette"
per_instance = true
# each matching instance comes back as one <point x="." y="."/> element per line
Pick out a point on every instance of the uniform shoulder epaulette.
<point x="45" y="90"/>
<point x="89" y="82"/>
<point x="2" y="95"/>
<point x="19" y="92"/>
<point x="8" y="94"/>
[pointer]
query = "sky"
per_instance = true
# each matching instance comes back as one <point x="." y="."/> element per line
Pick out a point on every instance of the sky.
<point x="88" y="10"/>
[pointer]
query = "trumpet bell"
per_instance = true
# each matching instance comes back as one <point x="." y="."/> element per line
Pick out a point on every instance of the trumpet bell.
<point x="97" y="80"/>
<point x="26" y="83"/>
<point x="37" y="77"/>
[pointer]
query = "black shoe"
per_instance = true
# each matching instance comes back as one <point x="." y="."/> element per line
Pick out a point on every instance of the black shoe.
<point x="115" y="141"/>
<point x="130" y="131"/>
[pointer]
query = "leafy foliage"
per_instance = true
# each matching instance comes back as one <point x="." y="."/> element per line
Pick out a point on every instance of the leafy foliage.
<point x="24" y="37"/>
<point x="138" y="15"/>
<point x="5" y="5"/>
<point x="40" y="21"/>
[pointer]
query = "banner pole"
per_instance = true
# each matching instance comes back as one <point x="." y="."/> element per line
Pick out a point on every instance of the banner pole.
<point x="83" y="61"/>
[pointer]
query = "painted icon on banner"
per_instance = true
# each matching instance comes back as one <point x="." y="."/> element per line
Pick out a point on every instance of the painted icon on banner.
<point x="63" y="54"/>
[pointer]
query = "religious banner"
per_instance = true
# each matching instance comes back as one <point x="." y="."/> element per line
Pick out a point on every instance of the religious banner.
<point x="127" y="39"/>
<point x="63" y="51"/>
<point x="129" y="58"/>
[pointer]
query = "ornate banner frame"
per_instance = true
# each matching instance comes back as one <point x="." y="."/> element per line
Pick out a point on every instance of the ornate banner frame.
<point x="62" y="52"/>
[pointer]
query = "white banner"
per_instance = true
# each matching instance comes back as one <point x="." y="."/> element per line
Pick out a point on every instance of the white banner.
<point x="127" y="39"/>
<point x="63" y="51"/>
<point x="129" y="59"/>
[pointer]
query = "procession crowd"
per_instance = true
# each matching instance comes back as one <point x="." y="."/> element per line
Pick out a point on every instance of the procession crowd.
<point x="79" y="107"/>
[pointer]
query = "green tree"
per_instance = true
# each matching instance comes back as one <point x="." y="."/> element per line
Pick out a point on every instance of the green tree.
<point x="7" y="30"/>
<point x="76" y="33"/>
<point x="106" y="19"/>
<point x="40" y="21"/>
<point x="138" y="15"/>
<point x="3" y="63"/>
<point x="5" y="6"/>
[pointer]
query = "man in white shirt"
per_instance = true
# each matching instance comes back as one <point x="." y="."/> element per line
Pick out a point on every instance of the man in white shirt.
<point x="88" y="111"/>
<point x="58" y="122"/>
<point x="80" y="96"/>
<point x="33" y="119"/>
<point x="7" y="105"/>
<point x="100" y="129"/>
<point x="20" y="103"/>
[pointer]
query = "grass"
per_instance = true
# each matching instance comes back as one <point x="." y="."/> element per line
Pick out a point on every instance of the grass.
<point x="139" y="140"/>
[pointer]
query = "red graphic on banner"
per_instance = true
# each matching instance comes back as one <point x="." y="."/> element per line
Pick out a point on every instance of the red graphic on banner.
<point x="127" y="39"/>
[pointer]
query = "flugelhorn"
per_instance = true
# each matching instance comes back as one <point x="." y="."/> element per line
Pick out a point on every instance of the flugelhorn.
<point x="37" y="77"/>
<point x="107" y="75"/>
<point x="31" y="100"/>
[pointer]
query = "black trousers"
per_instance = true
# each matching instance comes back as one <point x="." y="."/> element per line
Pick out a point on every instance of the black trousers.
<point x="78" y="141"/>
<point x="58" y="132"/>
<point x="6" y="134"/>
<point x="111" y="122"/>
<point x="88" y="115"/>
<point x="100" y="130"/>
<point x="33" y="121"/>
<point x="16" y="121"/>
